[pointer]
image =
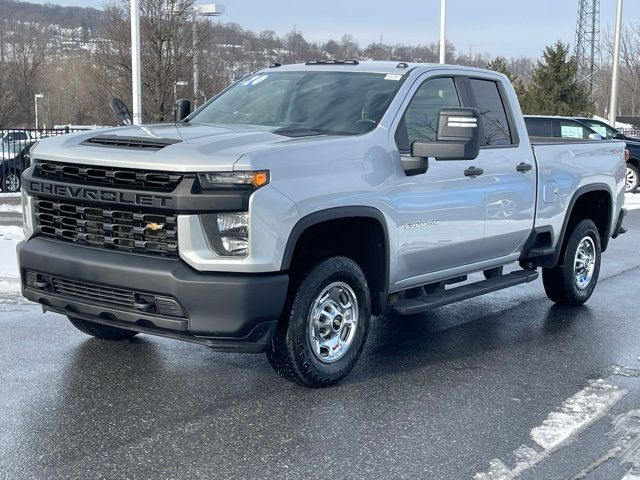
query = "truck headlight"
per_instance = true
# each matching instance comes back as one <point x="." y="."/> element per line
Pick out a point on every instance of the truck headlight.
<point x="233" y="179"/>
<point x="232" y="237"/>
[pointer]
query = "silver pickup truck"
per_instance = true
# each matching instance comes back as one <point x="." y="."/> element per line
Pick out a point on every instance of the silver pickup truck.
<point x="300" y="201"/>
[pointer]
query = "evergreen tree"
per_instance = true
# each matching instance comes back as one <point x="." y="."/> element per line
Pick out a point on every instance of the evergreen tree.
<point x="499" y="64"/>
<point x="554" y="89"/>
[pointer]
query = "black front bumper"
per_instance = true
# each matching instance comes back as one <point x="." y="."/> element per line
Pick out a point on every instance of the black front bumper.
<point x="227" y="312"/>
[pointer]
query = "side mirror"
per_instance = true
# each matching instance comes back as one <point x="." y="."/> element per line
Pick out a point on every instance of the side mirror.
<point x="181" y="110"/>
<point x="620" y="136"/>
<point x="595" y="136"/>
<point x="458" y="138"/>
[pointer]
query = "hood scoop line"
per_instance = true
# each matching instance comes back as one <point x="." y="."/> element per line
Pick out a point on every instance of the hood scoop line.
<point x="136" y="143"/>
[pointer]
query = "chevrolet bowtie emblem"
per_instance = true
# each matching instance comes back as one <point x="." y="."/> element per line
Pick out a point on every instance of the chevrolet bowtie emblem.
<point x="155" y="226"/>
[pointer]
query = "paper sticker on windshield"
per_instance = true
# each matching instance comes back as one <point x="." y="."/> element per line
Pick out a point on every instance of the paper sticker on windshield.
<point x="255" y="80"/>
<point x="393" y="76"/>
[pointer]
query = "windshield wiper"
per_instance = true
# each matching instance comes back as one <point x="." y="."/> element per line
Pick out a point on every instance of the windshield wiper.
<point x="305" y="132"/>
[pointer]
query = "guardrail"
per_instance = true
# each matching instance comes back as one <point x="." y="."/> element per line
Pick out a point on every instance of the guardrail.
<point x="15" y="146"/>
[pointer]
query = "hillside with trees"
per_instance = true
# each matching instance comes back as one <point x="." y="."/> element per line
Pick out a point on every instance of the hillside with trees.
<point x="79" y="58"/>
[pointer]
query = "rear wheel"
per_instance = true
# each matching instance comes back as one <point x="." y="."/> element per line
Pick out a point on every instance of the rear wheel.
<point x="103" y="332"/>
<point x="324" y="327"/>
<point x="632" y="179"/>
<point x="11" y="182"/>
<point x="573" y="279"/>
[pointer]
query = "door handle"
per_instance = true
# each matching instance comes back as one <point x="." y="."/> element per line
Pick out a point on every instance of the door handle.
<point x="524" y="167"/>
<point x="473" y="172"/>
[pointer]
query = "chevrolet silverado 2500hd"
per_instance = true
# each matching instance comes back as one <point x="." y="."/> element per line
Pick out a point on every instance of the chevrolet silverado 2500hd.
<point x="300" y="201"/>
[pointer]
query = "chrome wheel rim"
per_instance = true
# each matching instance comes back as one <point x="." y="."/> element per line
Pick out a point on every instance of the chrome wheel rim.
<point x="12" y="183"/>
<point x="632" y="179"/>
<point x="333" y="321"/>
<point x="584" y="263"/>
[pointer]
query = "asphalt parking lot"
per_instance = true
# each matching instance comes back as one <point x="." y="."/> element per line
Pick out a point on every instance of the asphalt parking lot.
<point x="446" y="396"/>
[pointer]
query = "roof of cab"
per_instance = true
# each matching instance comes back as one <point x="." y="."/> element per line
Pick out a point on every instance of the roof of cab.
<point x="347" y="66"/>
<point x="371" y="66"/>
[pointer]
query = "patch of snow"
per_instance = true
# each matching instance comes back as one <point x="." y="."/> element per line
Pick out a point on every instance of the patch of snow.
<point x="6" y="207"/>
<point x="9" y="237"/>
<point x="576" y="413"/>
<point x="632" y="201"/>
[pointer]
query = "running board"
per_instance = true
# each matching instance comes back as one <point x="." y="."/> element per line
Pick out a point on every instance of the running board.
<point x="413" y="306"/>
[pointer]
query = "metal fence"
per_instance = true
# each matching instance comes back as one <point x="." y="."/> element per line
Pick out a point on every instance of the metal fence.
<point x="630" y="132"/>
<point x="15" y="146"/>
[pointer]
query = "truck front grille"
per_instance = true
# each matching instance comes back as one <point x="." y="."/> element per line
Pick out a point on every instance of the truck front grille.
<point x="94" y="293"/>
<point x="134" y="230"/>
<point x="107" y="176"/>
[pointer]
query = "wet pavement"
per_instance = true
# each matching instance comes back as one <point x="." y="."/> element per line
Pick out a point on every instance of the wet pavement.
<point x="433" y="397"/>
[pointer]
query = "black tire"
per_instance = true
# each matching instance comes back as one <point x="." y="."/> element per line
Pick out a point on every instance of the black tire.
<point x="291" y="353"/>
<point x="632" y="178"/>
<point x="560" y="282"/>
<point x="103" y="332"/>
<point x="11" y="181"/>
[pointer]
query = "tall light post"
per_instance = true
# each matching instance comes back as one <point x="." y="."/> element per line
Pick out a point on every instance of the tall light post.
<point x="613" y="106"/>
<point x="207" y="10"/>
<point x="443" y="24"/>
<point x="36" y="97"/>
<point x="136" y="66"/>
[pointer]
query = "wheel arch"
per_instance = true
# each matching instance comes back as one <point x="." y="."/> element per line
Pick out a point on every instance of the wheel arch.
<point x="594" y="202"/>
<point x="363" y="222"/>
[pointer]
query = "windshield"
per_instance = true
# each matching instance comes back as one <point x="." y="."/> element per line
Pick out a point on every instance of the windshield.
<point x="309" y="103"/>
<point x="604" y="130"/>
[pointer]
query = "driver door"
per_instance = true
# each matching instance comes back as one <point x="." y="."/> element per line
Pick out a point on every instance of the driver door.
<point x="440" y="213"/>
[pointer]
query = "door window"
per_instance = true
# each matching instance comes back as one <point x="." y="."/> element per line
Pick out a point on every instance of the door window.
<point x="493" y="114"/>
<point x="420" y="120"/>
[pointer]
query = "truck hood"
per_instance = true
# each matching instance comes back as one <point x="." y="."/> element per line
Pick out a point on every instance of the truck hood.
<point x="180" y="147"/>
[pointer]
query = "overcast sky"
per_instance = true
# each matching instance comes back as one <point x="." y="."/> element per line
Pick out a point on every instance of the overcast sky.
<point x="499" y="27"/>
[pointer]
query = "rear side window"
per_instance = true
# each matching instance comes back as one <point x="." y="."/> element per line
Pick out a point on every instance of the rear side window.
<point x="539" y="127"/>
<point x="573" y="130"/>
<point x="420" y="120"/>
<point x="492" y="112"/>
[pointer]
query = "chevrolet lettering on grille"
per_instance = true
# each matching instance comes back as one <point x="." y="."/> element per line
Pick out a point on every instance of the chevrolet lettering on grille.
<point x="96" y="194"/>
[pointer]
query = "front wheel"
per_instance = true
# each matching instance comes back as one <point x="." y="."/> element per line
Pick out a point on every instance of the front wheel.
<point x="632" y="179"/>
<point x="11" y="182"/>
<point x="324" y="327"/>
<point x="573" y="279"/>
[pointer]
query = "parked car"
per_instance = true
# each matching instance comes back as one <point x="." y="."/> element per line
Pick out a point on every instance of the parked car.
<point x="569" y="127"/>
<point x="305" y="198"/>
<point x="15" y="160"/>
<point x="18" y="136"/>
<point x="606" y="130"/>
<point x="558" y="127"/>
<point x="633" y="145"/>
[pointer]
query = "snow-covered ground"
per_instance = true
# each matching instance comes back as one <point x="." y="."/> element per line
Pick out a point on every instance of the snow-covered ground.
<point x="9" y="277"/>
<point x="9" y="195"/>
<point x="10" y="208"/>
<point x="632" y="201"/>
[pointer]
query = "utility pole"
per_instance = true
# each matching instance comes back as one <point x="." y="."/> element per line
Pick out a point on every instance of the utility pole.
<point x="443" y="22"/>
<point x="613" y="106"/>
<point x="136" y="64"/>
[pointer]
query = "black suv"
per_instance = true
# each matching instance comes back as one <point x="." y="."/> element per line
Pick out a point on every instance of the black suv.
<point x="580" y="127"/>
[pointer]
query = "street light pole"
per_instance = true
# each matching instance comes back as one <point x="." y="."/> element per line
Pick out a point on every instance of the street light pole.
<point x="443" y="23"/>
<point x="35" y="100"/>
<point x="613" y="106"/>
<point x="136" y="65"/>
<point x="207" y="10"/>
